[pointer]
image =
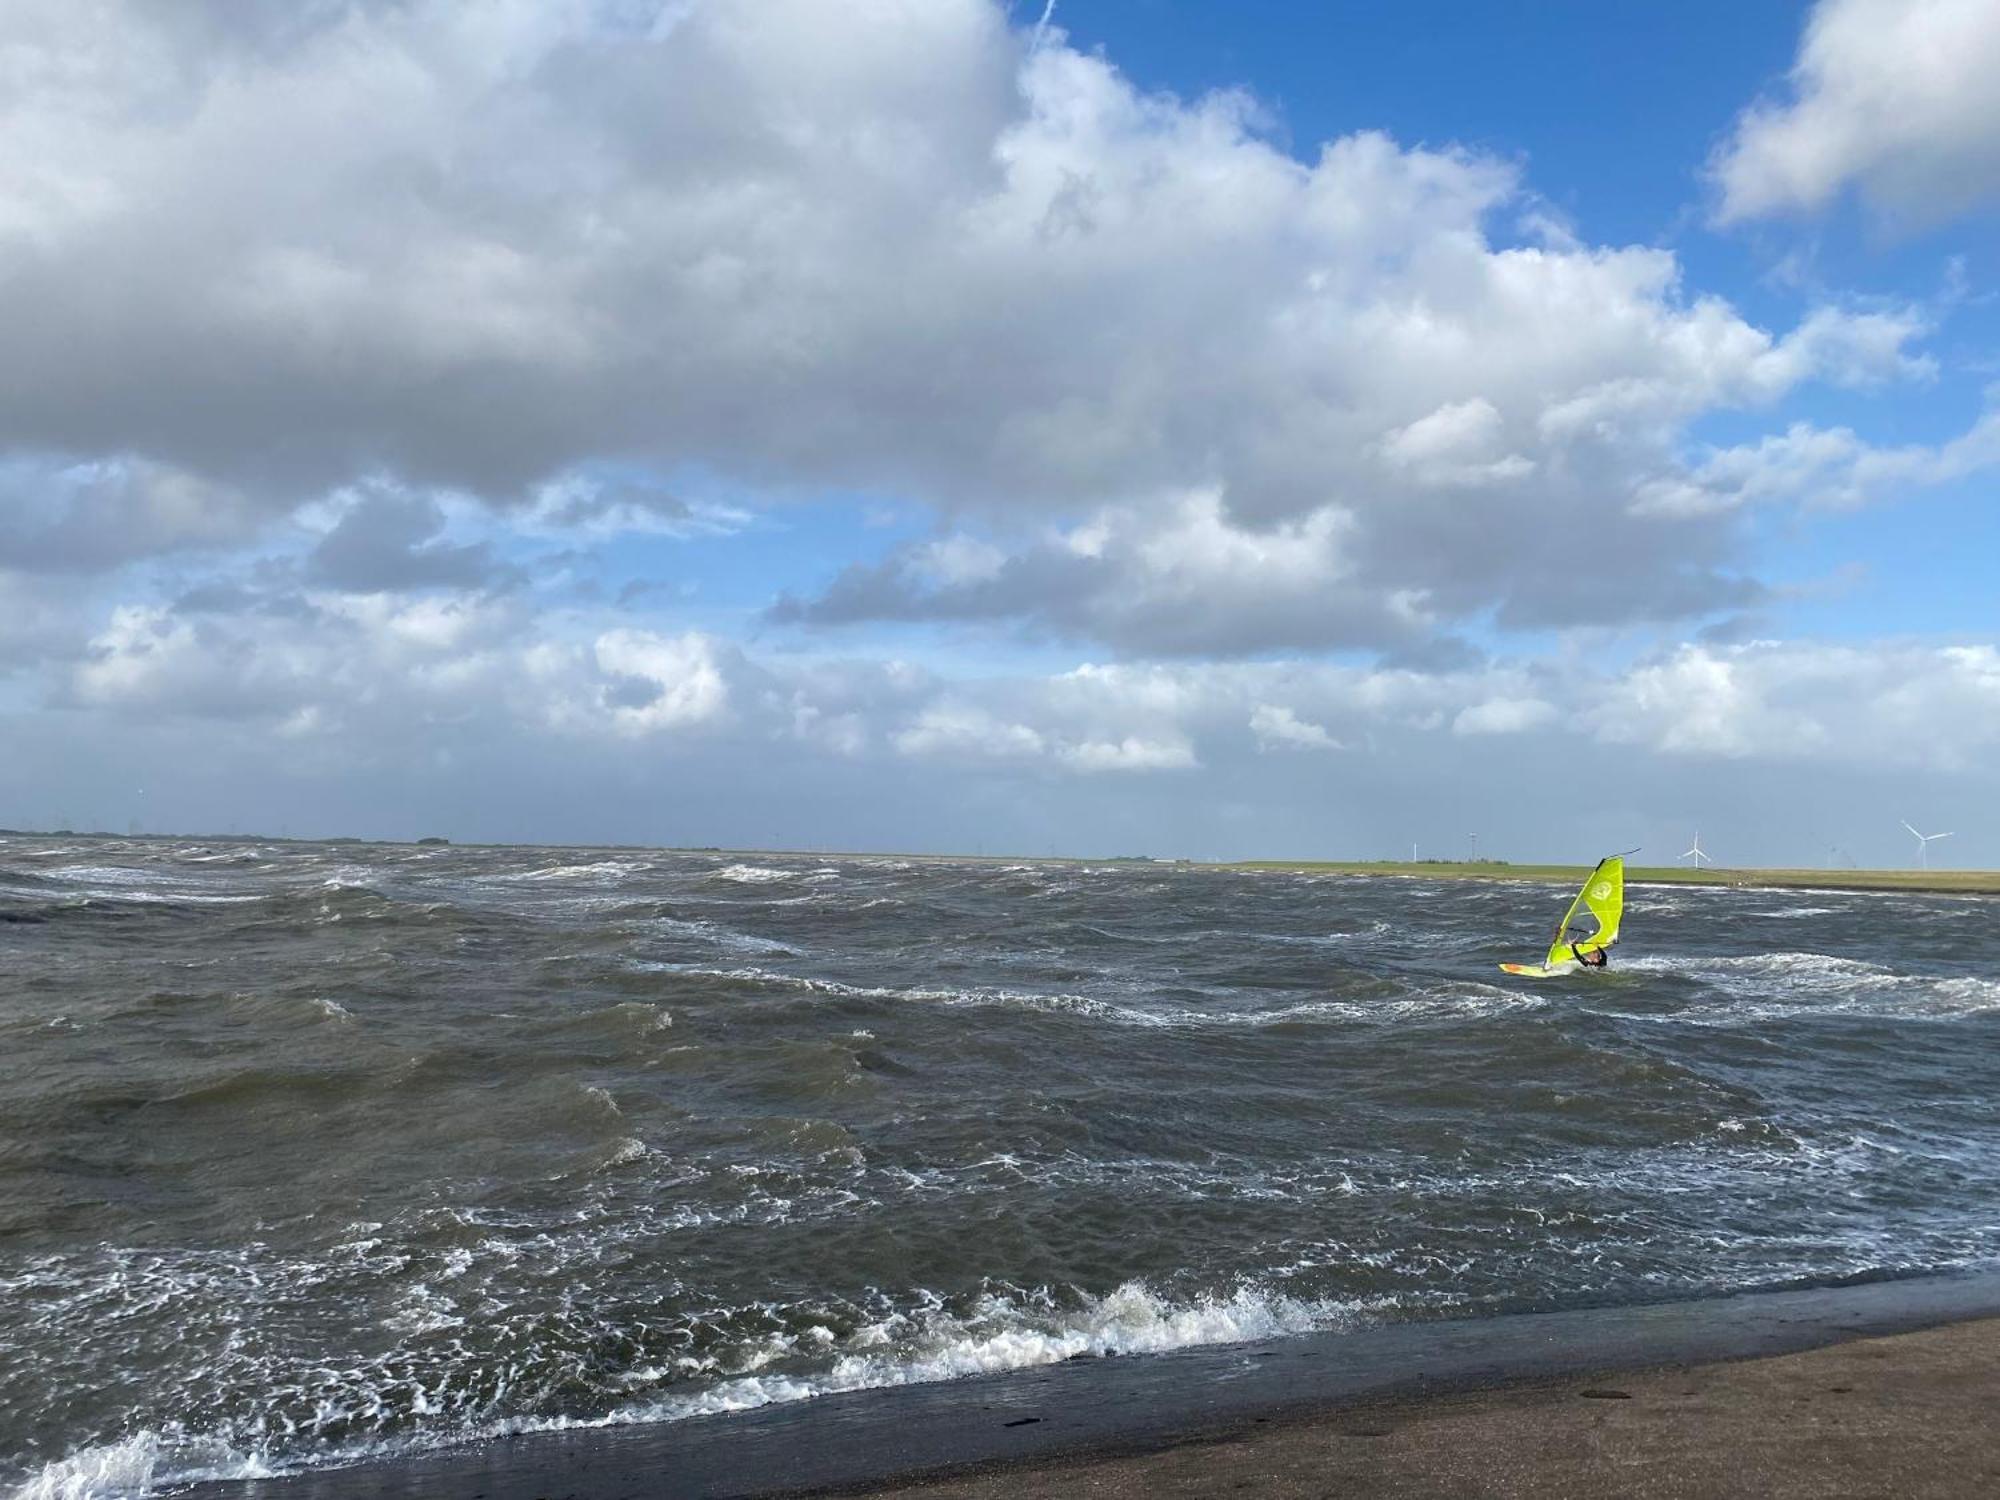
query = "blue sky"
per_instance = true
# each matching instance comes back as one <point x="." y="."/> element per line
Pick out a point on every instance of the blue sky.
<point x="1171" y="428"/>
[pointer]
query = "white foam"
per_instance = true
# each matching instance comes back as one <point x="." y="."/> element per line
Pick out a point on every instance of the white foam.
<point x="102" y="1473"/>
<point x="602" y="869"/>
<point x="123" y="883"/>
<point x="1778" y="986"/>
<point x="750" y="874"/>
<point x="929" y="1342"/>
<point x="724" y="937"/>
<point x="630" y="1149"/>
<point x="1469" y="1000"/>
<point x="999" y="1334"/>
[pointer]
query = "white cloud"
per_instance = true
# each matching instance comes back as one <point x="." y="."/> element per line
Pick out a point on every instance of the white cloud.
<point x="370" y="672"/>
<point x="880" y="247"/>
<point x="1820" y="468"/>
<point x="1851" y="349"/>
<point x="1132" y="753"/>
<point x="1504" y="716"/>
<point x="361" y="681"/>
<point x="1888" y="705"/>
<point x="1277" y="727"/>
<point x="1076" y="722"/>
<point x="1894" y="97"/>
<point x="655" y="682"/>
<point x="1462" y="442"/>
<point x="962" y="733"/>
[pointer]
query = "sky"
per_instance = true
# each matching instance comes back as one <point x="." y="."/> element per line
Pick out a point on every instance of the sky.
<point x="1112" y="427"/>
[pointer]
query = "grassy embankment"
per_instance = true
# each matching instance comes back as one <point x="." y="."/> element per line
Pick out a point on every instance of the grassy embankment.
<point x="1975" y="882"/>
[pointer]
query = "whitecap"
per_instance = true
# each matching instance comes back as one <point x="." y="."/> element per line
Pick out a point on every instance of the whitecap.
<point x="101" y="1473"/>
<point x="602" y="869"/>
<point x="750" y="874"/>
<point x="1783" y="986"/>
<point x="723" y="937"/>
<point x="1002" y="1334"/>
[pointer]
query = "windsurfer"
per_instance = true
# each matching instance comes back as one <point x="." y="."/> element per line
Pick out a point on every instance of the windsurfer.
<point x="1591" y="958"/>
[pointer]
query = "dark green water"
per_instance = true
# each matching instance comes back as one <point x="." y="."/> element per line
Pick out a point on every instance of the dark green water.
<point x="308" y="1152"/>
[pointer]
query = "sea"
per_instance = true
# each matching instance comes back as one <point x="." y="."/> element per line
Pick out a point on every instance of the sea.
<point x="314" y="1153"/>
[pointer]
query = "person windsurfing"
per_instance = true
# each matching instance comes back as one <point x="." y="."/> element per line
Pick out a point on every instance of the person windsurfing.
<point x="1601" y="902"/>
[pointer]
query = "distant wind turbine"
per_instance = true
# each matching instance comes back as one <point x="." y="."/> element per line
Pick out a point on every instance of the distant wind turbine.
<point x="1696" y="854"/>
<point x="1923" y="845"/>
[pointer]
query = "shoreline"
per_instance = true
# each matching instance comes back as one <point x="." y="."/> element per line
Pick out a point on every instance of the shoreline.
<point x="1904" y="1414"/>
<point x="1911" y="882"/>
<point x="1128" y="1415"/>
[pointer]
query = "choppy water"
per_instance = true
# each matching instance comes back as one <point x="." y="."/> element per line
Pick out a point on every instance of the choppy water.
<point x="313" y="1151"/>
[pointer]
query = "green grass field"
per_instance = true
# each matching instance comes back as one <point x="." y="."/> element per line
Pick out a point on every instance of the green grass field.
<point x="1975" y="882"/>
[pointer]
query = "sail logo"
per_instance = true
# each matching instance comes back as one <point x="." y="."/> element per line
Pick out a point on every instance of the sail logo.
<point x="1601" y="891"/>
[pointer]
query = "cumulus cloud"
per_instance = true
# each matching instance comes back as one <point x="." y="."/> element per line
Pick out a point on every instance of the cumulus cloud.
<point x="1277" y="727"/>
<point x="1931" y="707"/>
<point x="1893" y="97"/>
<point x="374" y="675"/>
<point x="885" y="247"/>
<point x="1821" y="468"/>
<point x="1181" y="578"/>
<point x="1185" y="578"/>
<point x="646" y="682"/>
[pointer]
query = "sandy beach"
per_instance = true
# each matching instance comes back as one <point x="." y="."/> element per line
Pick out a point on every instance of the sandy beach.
<point x="1908" y="1415"/>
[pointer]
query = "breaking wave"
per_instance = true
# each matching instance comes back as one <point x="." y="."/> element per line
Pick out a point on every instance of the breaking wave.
<point x="928" y="1339"/>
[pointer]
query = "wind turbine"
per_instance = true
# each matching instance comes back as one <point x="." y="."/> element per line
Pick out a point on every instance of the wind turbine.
<point x="1923" y="845"/>
<point x="1696" y="854"/>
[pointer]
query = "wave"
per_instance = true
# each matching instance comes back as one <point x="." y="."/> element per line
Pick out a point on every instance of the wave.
<point x="933" y="1339"/>
<point x="722" y="937"/>
<point x="1468" y="1000"/>
<point x="1000" y="1333"/>
<point x="751" y="874"/>
<point x="1782" y="986"/>
<point x="124" y="883"/>
<point x="601" y="869"/>
<point x="113" y="1471"/>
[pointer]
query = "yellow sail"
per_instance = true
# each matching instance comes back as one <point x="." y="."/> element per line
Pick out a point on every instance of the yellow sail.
<point x="1602" y="897"/>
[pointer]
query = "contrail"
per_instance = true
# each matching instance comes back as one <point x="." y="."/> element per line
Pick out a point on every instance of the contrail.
<point x="1048" y="10"/>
